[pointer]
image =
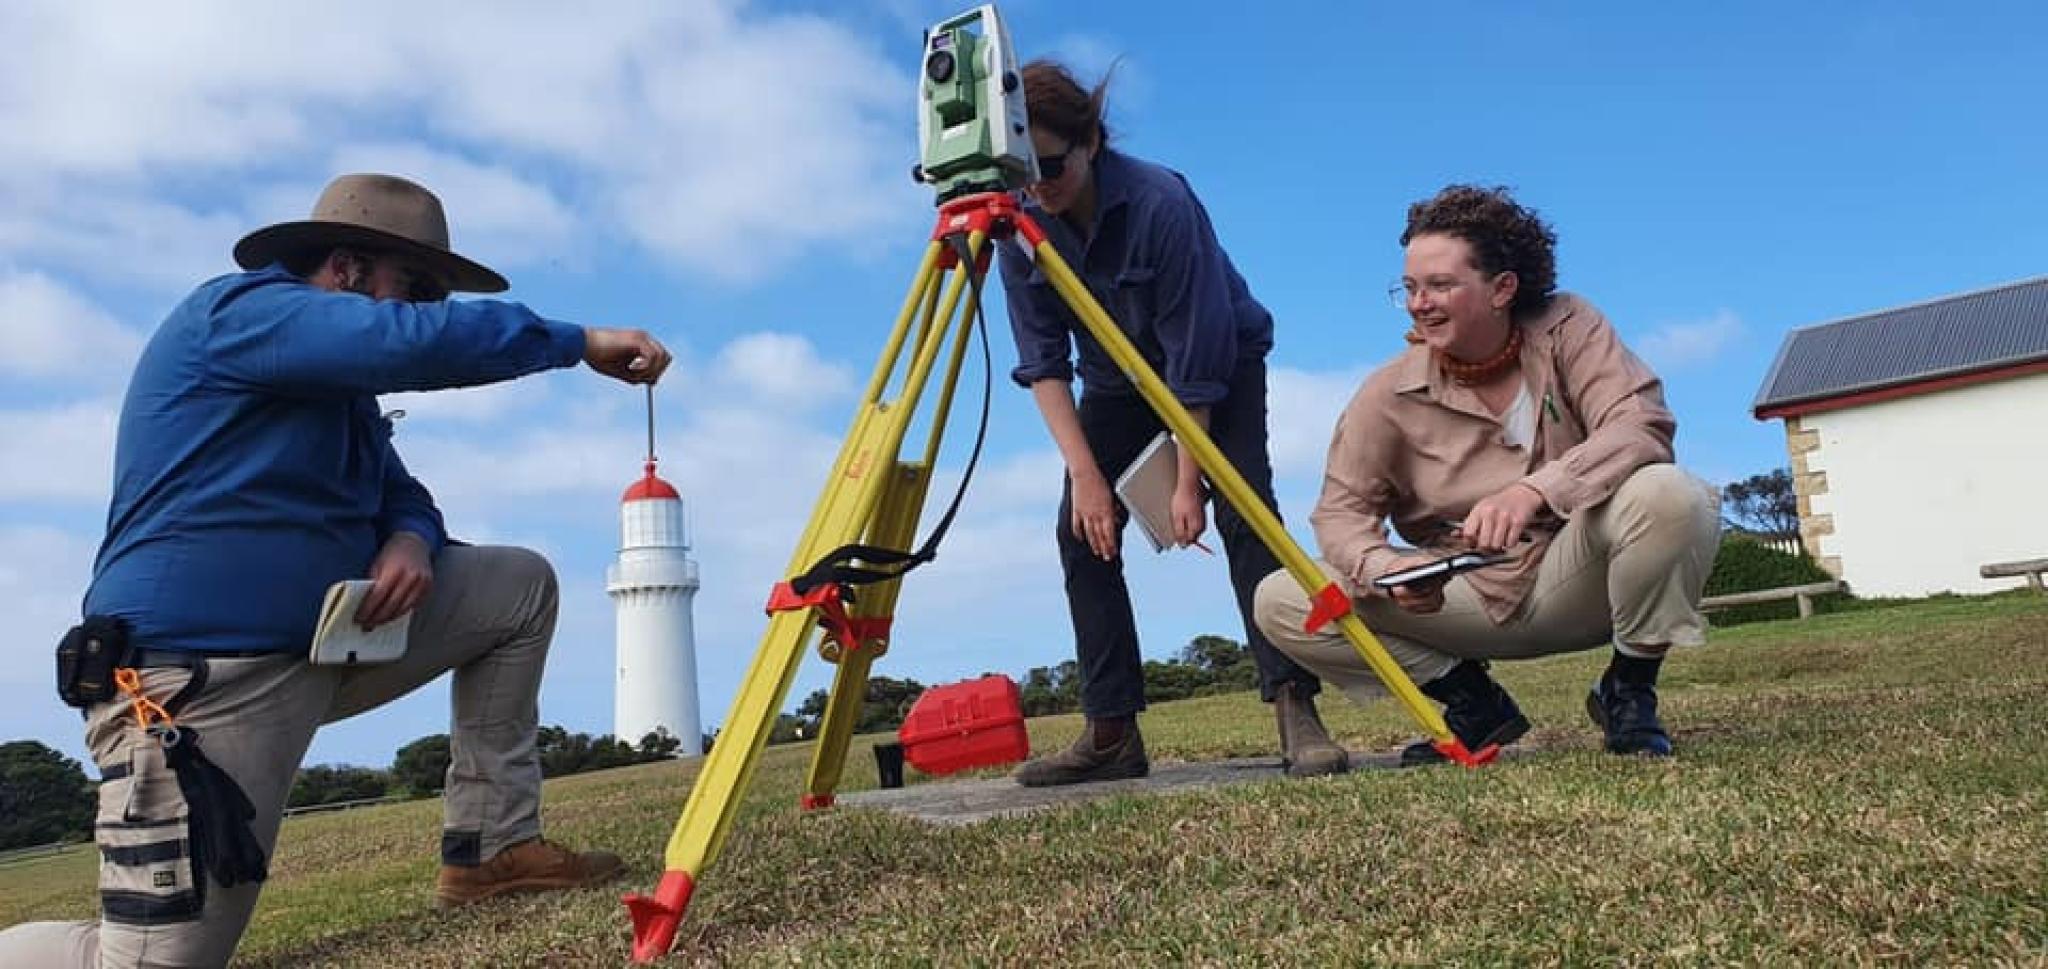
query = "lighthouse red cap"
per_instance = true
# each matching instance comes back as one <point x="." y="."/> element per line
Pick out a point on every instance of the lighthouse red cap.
<point x="650" y="487"/>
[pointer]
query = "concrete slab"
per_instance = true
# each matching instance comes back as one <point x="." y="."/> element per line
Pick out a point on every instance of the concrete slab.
<point x="972" y="801"/>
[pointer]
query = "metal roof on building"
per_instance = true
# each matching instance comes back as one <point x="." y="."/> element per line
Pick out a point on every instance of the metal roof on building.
<point x="1990" y="329"/>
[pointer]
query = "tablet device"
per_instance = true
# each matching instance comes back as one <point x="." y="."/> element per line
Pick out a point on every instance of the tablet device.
<point x="339" y="641"/>
<point x="1438" y="571"/>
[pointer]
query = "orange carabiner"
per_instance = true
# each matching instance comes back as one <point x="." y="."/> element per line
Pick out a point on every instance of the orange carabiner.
<point x="148" y="712"/>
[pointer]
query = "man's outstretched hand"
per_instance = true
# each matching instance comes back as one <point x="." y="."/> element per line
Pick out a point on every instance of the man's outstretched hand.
<point x="629" y="355"/>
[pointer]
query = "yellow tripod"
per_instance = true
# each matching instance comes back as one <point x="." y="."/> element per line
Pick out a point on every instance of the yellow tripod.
<point x="873" y="497"/>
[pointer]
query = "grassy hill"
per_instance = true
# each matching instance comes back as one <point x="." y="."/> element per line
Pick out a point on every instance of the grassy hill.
<point x="1862" y="788"/>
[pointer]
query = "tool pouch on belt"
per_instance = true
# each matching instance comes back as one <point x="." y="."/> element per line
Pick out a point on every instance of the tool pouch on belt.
<point x="149" y="872"/>
<point x="171" y="821"/>
<point x="87" y="658"/>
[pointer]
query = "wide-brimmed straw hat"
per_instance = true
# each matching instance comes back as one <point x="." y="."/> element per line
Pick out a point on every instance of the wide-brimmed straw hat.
<point x="378" y="212"/>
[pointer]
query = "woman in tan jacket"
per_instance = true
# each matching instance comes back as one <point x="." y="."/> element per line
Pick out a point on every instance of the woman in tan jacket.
<point x="1516" y="423"/>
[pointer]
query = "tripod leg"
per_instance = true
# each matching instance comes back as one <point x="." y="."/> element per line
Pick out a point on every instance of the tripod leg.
<point x="1331" y="601"/>
<point x="852" y="495"/>
<point x="895" y="527"/>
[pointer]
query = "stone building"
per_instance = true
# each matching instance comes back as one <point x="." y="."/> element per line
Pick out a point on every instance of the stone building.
<point x="1919" y="439"/>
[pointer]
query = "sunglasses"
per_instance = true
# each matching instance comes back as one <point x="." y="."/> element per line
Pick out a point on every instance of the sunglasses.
<point x="420" y="286"/>
<point x="423" y="287"/>
<point x="1051" y="167"/>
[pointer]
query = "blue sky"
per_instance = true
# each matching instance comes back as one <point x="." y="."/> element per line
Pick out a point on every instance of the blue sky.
<point x="732" y="176"/>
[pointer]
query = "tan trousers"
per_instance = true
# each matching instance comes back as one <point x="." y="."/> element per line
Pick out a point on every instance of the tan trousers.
<point x="489" y="618"/>
<point x="1628" y="570"/>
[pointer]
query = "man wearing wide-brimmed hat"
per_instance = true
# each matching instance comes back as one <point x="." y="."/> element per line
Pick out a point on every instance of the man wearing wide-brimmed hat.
<point x="253" y="471"/>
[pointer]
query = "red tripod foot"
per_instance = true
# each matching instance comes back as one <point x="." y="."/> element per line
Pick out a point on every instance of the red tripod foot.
<point x="655" y="919"/>
<point x="1455" y="750"/>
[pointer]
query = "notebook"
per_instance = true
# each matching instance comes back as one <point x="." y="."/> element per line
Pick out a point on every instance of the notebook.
<point x="1146" y="489"/>
<point x="339" y="641"/>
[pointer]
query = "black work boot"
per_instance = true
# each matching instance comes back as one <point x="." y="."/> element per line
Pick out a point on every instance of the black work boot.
<point x="1476" y="709"/>
<point x="1123" y="758"/>
<point x="1304" y="743"/>
<point x="1624" y="705"/>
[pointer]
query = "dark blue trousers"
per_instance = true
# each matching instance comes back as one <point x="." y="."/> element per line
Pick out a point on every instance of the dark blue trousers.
<point x="1105" y="631"/>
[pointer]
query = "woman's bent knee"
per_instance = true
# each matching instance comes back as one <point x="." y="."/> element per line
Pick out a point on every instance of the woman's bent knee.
<point x="1279" y="606"/>
<point x="1666" y="494"/>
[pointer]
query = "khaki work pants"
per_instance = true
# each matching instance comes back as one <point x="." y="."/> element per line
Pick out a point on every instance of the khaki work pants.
<point x="1629" y="570"/>
<point x="489" y="617"/>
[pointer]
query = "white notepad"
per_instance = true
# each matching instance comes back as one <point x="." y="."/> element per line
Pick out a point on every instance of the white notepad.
<point x="1146" y="489"/>
<point x="339" y="641"/>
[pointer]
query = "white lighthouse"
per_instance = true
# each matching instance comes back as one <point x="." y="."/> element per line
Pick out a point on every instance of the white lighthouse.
<point x="651" y="586"/>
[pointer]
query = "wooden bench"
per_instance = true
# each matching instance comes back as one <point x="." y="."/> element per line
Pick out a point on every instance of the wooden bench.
<point x="1803" y="593"/>
<point x="2031" y="568"/>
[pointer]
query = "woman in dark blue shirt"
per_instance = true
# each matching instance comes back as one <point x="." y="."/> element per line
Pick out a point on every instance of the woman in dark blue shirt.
<point x="1137" y="236"/>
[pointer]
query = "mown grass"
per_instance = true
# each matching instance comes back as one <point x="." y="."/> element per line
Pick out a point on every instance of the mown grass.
<point x="1857" y="789"/>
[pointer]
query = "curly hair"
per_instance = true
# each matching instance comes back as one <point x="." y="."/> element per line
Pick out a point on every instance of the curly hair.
<point x="1505" y="236"/>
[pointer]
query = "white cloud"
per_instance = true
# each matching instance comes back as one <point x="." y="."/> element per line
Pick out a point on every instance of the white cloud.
<point x="721" y="138"/>
<point x="46" y="330"/>
<point x="116" y="233"/>
<point x="779" y="369"/>
<point x="63" y="454"/>
<point x="740" y="441"/>
<point x="43" y="575"/>
<point x="1303" y="408"/>
<point x="1675" y="346"/>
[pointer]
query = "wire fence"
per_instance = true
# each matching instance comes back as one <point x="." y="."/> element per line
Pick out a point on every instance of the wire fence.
<point x="342" y="805"/>
<point x="35" y="851"/>
<point x="18" y="855"/>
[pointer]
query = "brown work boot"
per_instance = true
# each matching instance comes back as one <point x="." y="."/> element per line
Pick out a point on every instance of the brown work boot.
<point x="1084" y="762"/>
<point x="533" y="865"/>
<point x="1304" y="744"/>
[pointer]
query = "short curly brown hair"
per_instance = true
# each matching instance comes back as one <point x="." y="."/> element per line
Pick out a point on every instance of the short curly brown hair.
<point x="1505" y="236"/>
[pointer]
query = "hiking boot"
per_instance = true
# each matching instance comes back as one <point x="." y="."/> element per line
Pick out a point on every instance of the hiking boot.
<point x="533" y="865"/>
<point x="1476" y="709"/>
<point x="1625" y="708"/>
<point x="1305" y="746"/>
<point x="1084" y="762"/>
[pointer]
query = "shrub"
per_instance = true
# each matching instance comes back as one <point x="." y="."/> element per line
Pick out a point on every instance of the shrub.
<point x="1746" y="565"/>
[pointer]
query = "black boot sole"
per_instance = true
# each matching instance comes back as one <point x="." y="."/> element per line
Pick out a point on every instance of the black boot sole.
<point x="1425" y="753"/>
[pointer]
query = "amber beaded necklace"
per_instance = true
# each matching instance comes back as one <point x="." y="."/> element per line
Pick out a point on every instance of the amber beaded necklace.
<point x="1484" y="371"/>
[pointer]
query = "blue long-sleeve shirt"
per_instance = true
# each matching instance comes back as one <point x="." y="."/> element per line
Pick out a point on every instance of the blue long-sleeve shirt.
<point x="1152" y="260"/>
<point x="252" y="468"/>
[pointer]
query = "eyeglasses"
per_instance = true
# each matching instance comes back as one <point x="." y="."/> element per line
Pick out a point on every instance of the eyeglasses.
<point x="1438" y="287"/>
<point x="1051" y="167"/>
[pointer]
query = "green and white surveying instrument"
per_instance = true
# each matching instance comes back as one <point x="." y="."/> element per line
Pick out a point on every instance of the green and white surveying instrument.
<point x="976" y="153"/>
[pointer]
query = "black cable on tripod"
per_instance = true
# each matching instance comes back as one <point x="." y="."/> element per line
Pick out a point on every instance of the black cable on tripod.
<point x="880" y="564"/>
